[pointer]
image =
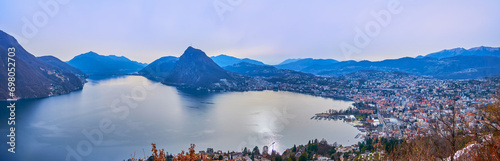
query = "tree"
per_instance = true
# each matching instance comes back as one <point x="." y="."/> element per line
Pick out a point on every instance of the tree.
<point x="169" y="157"/>
<point x="156" y="156"/>
<point x="303" y="157"/>
<point x="446" y="136"/>
<point x="256" y="150"/>
<point x="489" y="136"/>
<point x="312" y="148"/>
<point x="191" y="156"/>
<point x="245" y="151"/>
<point x="278" y="158"/>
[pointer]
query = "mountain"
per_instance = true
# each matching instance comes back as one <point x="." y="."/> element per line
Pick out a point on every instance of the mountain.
<point x="93" y="63"/>
<point x="477" y="51"/>
<point x="374" y="75"/>
<point x="34" y="78"/>
<point x="270" y="74"/>
<point x="251" y="61"/>
<point x="225" y="60"/>
<point x="64" y="66"/>
<point x="160" y="68"/>
<point x="315" y="69"/>
<point x="290" y="61"/>
<point x="304" y="63"/>
<point x="458" y="67"/>
<point x="254" y="70"/>
<point x="194" y="68"/>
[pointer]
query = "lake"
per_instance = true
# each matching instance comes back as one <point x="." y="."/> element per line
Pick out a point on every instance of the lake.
<point x="114" y="117"/>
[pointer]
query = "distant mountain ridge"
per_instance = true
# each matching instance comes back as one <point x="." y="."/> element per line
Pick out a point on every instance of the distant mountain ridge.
<point x="458" y="63"/>
<point x="290" y="61"/>
<point x="95" y="64"/>
<point x="225" y="60"/>
<point x="477" y="51"/>
<point x="254" y="70"/>
<point x="265" y="71"/>
<point x="34" y="78"/>
<point x="300" y="64"/>
<point x="458" y="67"/>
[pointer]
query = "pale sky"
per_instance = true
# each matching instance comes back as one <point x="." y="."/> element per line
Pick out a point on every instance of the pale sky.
<point x="270" y="31"/>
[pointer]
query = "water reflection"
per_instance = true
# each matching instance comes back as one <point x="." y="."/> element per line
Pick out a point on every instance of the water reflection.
<point x="96" y="79"/>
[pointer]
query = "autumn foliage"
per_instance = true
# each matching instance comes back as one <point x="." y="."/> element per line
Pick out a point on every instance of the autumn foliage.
<point x="191" y="156"/>
<point x="159" y="155"/>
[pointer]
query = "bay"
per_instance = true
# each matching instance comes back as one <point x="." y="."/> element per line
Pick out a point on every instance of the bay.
<point x="139" y="112"/>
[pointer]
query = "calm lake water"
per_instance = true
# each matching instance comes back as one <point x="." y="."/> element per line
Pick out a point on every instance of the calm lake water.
<point x="139" y="112"/>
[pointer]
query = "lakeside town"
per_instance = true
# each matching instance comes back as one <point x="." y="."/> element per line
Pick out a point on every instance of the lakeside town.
<point x="395" y="105"/>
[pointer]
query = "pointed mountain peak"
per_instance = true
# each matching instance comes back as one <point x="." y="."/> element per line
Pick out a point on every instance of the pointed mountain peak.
<point x="195" y="68"/>
<point x="191" y="49"/>
<point x="193" y="52"/>
<point x="91" y="53"/>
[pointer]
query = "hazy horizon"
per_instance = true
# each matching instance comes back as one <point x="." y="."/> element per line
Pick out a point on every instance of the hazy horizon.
<point x="266" y="31"/>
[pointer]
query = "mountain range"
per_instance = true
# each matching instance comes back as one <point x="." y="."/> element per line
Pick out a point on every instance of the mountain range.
<point x="34" y="77"/>
<point x="457" y="63"/>
<point x="194" y="68"/>
<point x="47" y="75"/>
<point x="458" y="67"/>
<point x="94" y="64"/>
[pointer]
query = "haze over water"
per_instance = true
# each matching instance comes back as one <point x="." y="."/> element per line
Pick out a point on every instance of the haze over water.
<point x="171" y="118"/>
